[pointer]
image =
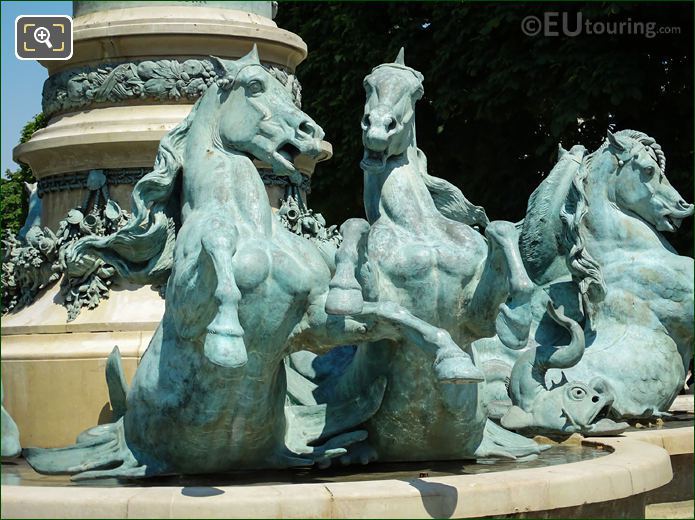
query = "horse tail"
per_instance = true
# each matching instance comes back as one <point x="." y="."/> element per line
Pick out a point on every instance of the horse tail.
<point x="116" y="383"/>
<point x="449" y="200"/>
<point x="142" y="250"/>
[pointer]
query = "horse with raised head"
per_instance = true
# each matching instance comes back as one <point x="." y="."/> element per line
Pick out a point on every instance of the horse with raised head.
<point x="243" y="292"/>
<point x="592" y="240"/>
<point x="635" y="292"/>
<point x="419" y="248"/>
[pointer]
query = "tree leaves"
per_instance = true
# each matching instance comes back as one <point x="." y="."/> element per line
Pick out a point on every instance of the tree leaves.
<point x="497" y="102"/>
<point x="13" y="196"/>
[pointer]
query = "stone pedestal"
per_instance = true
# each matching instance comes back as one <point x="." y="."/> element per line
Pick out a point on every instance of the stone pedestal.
<point x="137" y="68"/>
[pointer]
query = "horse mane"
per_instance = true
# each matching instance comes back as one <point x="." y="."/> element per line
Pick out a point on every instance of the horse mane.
<point x="539" y="240"/>
<point x="142" y="250"/>
<point x="585" y="270"/>
<point x="449" y="200"/>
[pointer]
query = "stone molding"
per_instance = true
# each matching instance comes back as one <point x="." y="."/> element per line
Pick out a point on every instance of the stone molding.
<point x="142" y="81"/>
<point x="78" y="180"/>
<point x="631" y="469"/>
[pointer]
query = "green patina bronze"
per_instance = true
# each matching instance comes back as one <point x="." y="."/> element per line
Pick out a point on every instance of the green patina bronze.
<point x="282" y="346"/>
<point x="9" y="440"/>
<point x="243" y="292"/>
<point x="420" y="249"/>
<point x="592" y="240"/>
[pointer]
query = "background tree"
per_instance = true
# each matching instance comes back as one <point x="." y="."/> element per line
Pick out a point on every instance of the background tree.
<point x="13" y="197"/>
<point x="497" y="102"/>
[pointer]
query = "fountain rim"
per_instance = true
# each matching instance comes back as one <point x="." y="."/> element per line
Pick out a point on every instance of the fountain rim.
<point x="635" y="466"/>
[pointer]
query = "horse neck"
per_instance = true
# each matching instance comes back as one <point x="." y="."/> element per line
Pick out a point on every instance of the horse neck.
<point x="399" y="193"/>
<point x="607" y="224"/>
<point x="217" y="179"/>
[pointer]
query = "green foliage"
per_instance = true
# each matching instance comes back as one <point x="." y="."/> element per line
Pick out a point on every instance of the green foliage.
<point x="497" y="102"/>
<point x="13" y="196"/>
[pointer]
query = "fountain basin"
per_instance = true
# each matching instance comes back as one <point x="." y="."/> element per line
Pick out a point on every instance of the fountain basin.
<point x="614" y="485"/>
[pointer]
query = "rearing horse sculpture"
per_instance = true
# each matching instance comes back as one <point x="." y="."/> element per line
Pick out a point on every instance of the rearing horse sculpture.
<point x="420" y="249"/>
<point x="592" y="240"/>
<point x="607" y="216"/>
<point x="243" y="292"/>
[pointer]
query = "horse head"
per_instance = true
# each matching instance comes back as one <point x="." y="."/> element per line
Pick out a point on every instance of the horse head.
<point x="388" y="124"/>
<point x="258" y="117"/>
<point x="641" y="186"/>
<point x="250" y="112"/>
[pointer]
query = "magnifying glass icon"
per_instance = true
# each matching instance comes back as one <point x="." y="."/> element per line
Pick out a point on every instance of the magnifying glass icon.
<point x="42" y="35"/>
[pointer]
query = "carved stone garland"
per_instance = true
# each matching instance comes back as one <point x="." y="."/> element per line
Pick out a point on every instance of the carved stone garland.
<point x="161" y="80"/>
<point x="37" y="261"/>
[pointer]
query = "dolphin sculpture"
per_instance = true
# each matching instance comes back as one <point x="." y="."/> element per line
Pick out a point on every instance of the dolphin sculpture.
<point x="573" y="407"/>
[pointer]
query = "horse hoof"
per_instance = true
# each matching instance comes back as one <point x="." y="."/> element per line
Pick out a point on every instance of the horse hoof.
<point x="458" y="370"/>
<point x="343" y="302"/>
<point x="513" y="326"/>
<point x="225" y="350"/>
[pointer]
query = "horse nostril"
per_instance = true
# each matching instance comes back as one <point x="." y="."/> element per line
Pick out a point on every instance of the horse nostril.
<point x="366" y="121"/>
<point x="307" y="128"/>
<point x="594" y="399"/>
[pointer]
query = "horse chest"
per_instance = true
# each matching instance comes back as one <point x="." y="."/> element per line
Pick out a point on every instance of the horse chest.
<point x="400" y="255"/>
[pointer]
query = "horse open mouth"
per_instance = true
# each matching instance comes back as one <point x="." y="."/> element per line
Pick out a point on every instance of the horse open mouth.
<point x="373" y="160"/>
<point x="672" y="223"/>
<point x="285" y="156"/>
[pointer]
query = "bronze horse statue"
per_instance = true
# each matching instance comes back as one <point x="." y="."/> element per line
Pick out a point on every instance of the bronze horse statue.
<point x="242" y="294"/>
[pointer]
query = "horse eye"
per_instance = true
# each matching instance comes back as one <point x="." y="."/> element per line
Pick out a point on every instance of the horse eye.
<point x="255" y="87"/>
<point x="649" y="171"/>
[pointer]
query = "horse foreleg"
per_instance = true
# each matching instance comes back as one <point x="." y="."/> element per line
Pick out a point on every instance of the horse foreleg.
<point x="345" y="294"/>
<point x="504" y="291"/>
<point x="224" y="337"/>
<point x="388" y="320"/>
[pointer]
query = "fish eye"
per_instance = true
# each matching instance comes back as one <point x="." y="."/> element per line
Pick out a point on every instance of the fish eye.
<point x="577" y="393"/>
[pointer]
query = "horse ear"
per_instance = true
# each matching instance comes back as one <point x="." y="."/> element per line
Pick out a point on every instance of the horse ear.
<point x="400" y="59"/>
<point x="224" y="70"/>
<point x="220" y="63"/>
<point x="613" y="140"/>
<point x="561" y="152"/>
<point x="252" y="56"/>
